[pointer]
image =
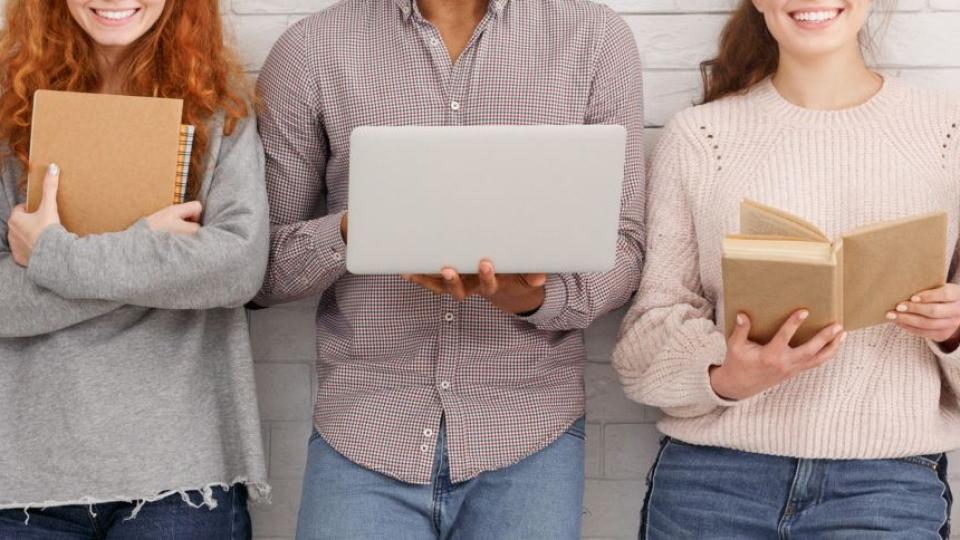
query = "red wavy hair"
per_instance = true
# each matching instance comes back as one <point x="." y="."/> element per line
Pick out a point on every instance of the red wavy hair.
<point x="182" y="56"/>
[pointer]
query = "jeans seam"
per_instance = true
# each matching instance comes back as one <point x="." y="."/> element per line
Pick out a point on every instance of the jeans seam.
<point x="645" y="511"/>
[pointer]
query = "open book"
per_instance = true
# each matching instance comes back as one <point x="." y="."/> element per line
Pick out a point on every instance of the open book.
<point x="121" y="158"/>
<point x="781" y="263"/>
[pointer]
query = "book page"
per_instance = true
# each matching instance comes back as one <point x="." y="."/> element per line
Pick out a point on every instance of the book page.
<point x="759" y="219"/>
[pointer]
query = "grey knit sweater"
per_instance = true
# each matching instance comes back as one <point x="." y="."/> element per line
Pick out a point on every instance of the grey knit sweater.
<point x="125" y="364"/>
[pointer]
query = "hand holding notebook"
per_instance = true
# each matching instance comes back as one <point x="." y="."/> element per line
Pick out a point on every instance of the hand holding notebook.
<point x="122" y="158"/>
<point x="781" y="263"/>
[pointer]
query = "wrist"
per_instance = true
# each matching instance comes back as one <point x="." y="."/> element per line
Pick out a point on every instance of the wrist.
<point x="532" y="303"/>
<point x="718" y="377"/>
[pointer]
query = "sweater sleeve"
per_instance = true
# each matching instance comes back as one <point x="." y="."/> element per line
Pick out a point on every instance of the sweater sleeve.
<point x="29" y="310"/>
<point x="219" y="267"/>
<point x="950" y="361"/>
<point x="574" y="301"/>
<point x="668" y="340"/>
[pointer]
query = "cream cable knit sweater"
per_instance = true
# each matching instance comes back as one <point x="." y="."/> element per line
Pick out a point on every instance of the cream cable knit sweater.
<point x="887" y="393"/>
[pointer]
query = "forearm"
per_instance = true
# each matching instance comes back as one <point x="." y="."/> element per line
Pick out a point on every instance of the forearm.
<point x="28" y="310"/>
<point x="574" y="301"/>
<point x="216" y="268"/>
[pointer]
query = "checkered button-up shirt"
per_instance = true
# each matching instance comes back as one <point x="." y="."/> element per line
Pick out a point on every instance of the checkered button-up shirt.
<point x="394" y="358"/>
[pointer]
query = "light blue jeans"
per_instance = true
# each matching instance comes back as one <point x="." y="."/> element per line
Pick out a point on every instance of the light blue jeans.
<point x="539" y="497"/>
<point x="718" y="493"/>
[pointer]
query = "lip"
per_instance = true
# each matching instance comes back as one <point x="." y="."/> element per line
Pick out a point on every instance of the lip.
<point x="105" y="21"/>
<point x="816" y="25"/>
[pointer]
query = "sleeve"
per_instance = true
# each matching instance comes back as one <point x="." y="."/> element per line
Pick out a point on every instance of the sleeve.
<point x="950" y="361"/>
<point x="29" y="310"/>
<point x="668" y="340"/>
<point x="219" y="267"/>
<point x="306" y="248"/>
<point x="574" y="301"/>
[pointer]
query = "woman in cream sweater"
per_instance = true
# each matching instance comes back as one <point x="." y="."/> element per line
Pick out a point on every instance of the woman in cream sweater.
<point x="841" y="436"/>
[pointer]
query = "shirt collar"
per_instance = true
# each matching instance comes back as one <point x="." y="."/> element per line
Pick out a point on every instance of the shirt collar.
<point x="408" y="7"/>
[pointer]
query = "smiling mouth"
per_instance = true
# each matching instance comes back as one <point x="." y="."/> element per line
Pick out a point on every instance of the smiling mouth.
<point x="816" y="16"/>
<point x="116" y="15"/>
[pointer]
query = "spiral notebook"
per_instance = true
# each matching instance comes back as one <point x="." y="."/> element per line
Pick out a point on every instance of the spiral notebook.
<point x="121" y="158"/>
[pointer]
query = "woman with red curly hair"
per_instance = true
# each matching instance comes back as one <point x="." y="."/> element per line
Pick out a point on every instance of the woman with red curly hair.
<point x="127" y="402"/>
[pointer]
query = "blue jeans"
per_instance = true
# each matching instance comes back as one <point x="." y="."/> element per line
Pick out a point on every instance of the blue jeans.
<point x="168" y="518"/>
<point x="539" y="497"/>
<point x="717" y="493"/>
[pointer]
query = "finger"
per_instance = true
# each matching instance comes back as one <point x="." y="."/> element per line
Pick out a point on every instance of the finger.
<point x="190" y="211"/>
<point x="936" y="335"/>
<point x="488" y="279"/>
<point x="936" y="310"/>
<point x="926" y="323"/>
<point x="826" y="353"/>
<point x="431" y="284"/>
<point x="815" y="344"/>
<point x="454" y="283"/>
<point x="51" y="185"/>
<point x="789" y="328"/>
<point x="948" y="293"/>
<point x="534" y="281"/>
<point x="741" y="330"/>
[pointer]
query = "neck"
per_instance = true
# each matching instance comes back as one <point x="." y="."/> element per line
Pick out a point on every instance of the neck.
<point x="831" y="82"/>
<point x="453" y="12"/>
<point x="109" y="59"/>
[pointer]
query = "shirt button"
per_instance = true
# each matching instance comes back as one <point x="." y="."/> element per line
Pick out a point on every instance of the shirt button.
<point x="449" y="317"/>
<point x="337" y="256"/>
<point x="428" y="432"/>
<point x="424" y="448"/>
<point x="455" y="105"/>
<point x="444" y="385"/>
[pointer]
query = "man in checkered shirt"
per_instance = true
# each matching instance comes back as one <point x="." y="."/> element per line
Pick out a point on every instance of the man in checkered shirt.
<point x="453" y="405"/>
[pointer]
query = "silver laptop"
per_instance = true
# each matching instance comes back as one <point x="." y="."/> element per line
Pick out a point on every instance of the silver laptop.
<point x="529" y="198"/>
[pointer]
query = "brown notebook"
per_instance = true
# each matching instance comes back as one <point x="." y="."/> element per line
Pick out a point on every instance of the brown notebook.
<point x="120" y="157"/>
<point x="781" y="263"/>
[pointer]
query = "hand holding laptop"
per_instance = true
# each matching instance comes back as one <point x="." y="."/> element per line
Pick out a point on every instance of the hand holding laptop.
<point x="511" y="293"/>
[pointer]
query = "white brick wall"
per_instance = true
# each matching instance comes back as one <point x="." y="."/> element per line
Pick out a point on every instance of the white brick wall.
<point x="922" y="44"/>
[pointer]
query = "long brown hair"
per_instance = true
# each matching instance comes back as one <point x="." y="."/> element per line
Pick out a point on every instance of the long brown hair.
<point x="182" y="56"/>
<point x="749" y="53"/>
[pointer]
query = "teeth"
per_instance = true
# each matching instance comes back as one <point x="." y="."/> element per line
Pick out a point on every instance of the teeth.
<point x="116" y="15"/>
<point x="816" y="16"/>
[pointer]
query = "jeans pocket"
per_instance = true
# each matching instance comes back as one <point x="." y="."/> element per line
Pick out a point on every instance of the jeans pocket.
<point x="930" y="461"/>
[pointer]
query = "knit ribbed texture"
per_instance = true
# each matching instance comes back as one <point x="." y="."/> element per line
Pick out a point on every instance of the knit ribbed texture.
<point x="887" y="393"/>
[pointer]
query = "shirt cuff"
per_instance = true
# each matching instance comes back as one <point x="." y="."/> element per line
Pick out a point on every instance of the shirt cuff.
<point x="326" y="241"/>
<point x="554" y="300"/>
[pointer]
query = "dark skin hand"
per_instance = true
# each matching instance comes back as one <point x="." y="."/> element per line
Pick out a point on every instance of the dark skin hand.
<point x="511" y="293"/>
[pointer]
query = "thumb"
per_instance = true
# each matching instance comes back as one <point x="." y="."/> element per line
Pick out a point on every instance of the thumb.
<point x="51" y="185"/>
<point x="741" y="330"/>
<point x="190" y="211"/>
<point x="535" y="280"/>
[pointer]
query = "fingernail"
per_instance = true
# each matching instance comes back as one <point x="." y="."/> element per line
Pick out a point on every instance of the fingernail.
<point x="448" y="275"/>
<point x="837" y="329"/>
<point x="739" y="320"/>
<point x="804" y="314"/>
<point x="891" y="316"/>
<point x="843" y="337"/>
<point x="915" y="299"/>
<point x="53" y="169"/>
<point x="901" y="308"/>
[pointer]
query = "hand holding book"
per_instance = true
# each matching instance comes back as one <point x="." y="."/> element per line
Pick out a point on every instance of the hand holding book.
<point x="750" y="368"/>
<point x="933" y="314"/>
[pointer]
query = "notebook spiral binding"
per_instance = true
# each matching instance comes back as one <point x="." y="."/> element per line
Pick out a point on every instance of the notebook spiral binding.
<point x="183" y="163"/>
